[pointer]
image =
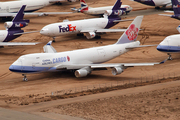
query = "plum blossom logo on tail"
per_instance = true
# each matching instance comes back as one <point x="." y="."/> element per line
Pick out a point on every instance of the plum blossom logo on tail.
<point x="132" y="32"/>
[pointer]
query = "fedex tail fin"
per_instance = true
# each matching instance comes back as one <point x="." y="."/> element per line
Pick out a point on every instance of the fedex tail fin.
<point x="84" y="6"/>
<point x="117" y="5"/>
<point x="20" y="15"/>
<point x="176" y="6"/>
<point x="130" y="35"/>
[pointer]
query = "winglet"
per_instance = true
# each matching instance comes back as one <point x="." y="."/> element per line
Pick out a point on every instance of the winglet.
<point x="49" y="43"/>
<point x="130" y="35"/>
<point x="48" y="48"/>
<point x="178" y="28"/>
<point x="163" y="61"/>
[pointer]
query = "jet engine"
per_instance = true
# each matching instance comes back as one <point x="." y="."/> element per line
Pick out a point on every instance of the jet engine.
<point x="8" y="25"/>
<point x="82" y="72"/>
<point x="90" y="35"/>
<point x="117" y="70"/>
<point x="114" y="12"/>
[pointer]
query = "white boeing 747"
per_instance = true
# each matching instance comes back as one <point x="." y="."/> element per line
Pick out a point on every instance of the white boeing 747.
<point x="98" y="10"/>
<point x="83" y="61"/>
<point x="10" y="8"/>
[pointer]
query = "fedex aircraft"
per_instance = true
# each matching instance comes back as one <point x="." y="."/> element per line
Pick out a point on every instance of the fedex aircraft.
<point x="99" y="10"/>
<point x="10" y="8"/>
<point x="82" y="61"/>
<point x="156" y="3"/>
<point x="176" y="9"/>
<point x="170" y="44"/>
<point x="90" y="27"/>
<point x="13" y="30"/>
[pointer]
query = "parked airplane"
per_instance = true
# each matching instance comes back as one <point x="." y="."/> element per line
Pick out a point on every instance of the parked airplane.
<point x="176" y="10"/>
<point x="170" y="44"/>
<point x="99" y="10"/>
<point x="10" y="8"/>
<point x="83" y="61"/>
<point x="156" y="3"/>
<point x="13" y="30"/>
<point x="90" y="27"/>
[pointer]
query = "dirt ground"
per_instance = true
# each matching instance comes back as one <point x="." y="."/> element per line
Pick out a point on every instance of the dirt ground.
<point x="156" y="29"/>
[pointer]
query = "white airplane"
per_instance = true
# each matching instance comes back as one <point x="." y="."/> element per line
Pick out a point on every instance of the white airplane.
<point x="170" y="44"/>
<point x="13" y="30"/>
<point x="156" y="3"/>
<point x="83" y="61"/>
<point x="90" y="27"/>
<point x="99" y="10"/>
<point x="10" y="8"/>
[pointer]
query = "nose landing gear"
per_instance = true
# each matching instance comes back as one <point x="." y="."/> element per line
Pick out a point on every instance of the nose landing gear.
<point x="25" y="78"/>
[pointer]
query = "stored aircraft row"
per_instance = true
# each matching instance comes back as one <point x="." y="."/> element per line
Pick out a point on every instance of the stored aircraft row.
<point x="98" y="10"/>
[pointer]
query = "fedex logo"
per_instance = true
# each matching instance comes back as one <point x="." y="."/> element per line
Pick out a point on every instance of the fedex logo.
<point x="19" y="25"/>
<point x="176" y="6"/>
<point x="67" y="29"/>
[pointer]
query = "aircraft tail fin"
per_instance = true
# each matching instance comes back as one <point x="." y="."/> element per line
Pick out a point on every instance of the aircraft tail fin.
<point x="117" y="5"/>
<point x="130" y="35"/>
<point x="84" y="6"/>
<point x="20" y="15"/>
<point x="176" y="6"/>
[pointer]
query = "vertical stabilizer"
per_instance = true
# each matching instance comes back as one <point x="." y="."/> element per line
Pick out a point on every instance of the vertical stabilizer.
<point x="117" y="5"/>
<point x="20" y="15"/>
<point x="176" y="6"/>
<point x="130" y="35"/>
<point x="84" y="6"/>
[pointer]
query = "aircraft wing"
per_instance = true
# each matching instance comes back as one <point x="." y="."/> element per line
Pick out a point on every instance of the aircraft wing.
<point x="25" y="33"/>
<point x="165" y="15"/>
<point x="34" y="13"/>
<point x="102" y="30"/>
<point x="16" y="43"/>
<point x="100" y="66"/>
<point x="47" y="13"/>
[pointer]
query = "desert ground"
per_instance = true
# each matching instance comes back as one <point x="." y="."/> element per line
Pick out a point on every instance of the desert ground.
<point x="156" y="28"/>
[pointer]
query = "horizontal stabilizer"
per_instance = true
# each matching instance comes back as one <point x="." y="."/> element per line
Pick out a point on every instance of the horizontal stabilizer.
<point x="140" y="46"/>
<point x="16" y="43"/>
<point x="26" y="32"/>
<point x="165" y="15"/>
<point x="48" y="48"/>
<point x="168" y="11"/>
<point x="123" y="20"/>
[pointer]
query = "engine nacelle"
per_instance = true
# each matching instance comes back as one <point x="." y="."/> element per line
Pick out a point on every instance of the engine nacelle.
<point x="90" y="35"/>
<point x="8" y="25"/>
<point x="114" y="12"/>
<point x="117" y="70"/>
<point x="82" y="73"/>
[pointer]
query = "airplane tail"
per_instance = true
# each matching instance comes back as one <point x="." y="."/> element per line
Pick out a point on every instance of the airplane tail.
<point x="176" y="6"/>
<point x="116" y="10"/>
<point x="17" y="23"/>
<point x="130" y="35"/>
<point x="84" y="6"/>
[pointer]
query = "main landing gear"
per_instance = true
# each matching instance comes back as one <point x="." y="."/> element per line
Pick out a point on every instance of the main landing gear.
<point x="25" y="78"/>
<point x="54" y="39"/>
<point x="169" y="58"/>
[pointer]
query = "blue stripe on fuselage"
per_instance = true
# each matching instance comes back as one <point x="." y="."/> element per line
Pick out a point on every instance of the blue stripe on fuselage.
<point x="30" y="69"/>
<point x="165" y="48"/>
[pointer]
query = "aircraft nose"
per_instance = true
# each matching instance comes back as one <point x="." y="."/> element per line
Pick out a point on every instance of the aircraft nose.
<point x="44" y="31"/>
<point x="11" y="68"/>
